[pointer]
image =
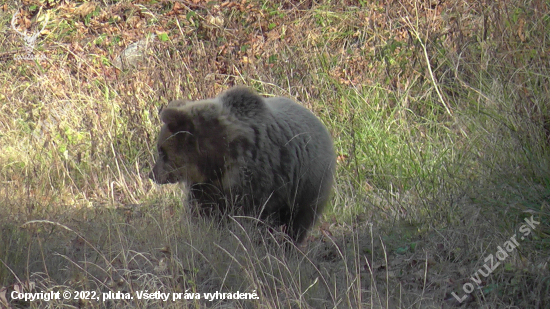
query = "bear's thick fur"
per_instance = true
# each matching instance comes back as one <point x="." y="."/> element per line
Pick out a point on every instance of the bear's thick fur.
<point x="264" y="157"/>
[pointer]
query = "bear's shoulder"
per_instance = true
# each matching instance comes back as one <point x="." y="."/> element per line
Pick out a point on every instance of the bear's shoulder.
<point x="242" y="101"/>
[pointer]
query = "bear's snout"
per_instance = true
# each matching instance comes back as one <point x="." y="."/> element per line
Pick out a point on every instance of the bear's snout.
<point x="154" y="176"/>
<point x="161" y="177"/>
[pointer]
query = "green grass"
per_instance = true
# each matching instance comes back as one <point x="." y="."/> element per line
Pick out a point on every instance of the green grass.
<point x="441" y="128"/>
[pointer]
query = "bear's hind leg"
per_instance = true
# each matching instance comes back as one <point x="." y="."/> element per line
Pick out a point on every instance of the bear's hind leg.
<point x="302" y="222"/>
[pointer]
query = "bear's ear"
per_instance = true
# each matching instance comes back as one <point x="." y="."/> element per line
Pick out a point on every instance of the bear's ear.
<point x="242" y="101"/>
<point x="177" y="103"/>
<point x="176" y="120"/>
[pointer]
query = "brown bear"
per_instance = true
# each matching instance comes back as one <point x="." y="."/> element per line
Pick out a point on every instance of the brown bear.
<point x="269" y="158"/>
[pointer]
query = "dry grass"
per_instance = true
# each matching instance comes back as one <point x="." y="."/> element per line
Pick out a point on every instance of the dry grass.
<point x="439" y="113"/>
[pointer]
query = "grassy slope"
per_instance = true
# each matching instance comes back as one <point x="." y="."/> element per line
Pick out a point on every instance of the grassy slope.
<point x="440" y="118"/>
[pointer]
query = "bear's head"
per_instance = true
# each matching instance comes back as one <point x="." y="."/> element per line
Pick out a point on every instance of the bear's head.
<point x="191" y="144"/>
<point x="203" y="141"/>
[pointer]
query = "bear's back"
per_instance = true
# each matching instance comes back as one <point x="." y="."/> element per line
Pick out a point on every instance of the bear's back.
<point x="307" y="140"/>
<point x="301" y="123"/>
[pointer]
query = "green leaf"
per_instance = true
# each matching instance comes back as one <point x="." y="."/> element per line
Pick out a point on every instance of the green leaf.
<point x="163" y="37"/>
<point x="402" y="250"/>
